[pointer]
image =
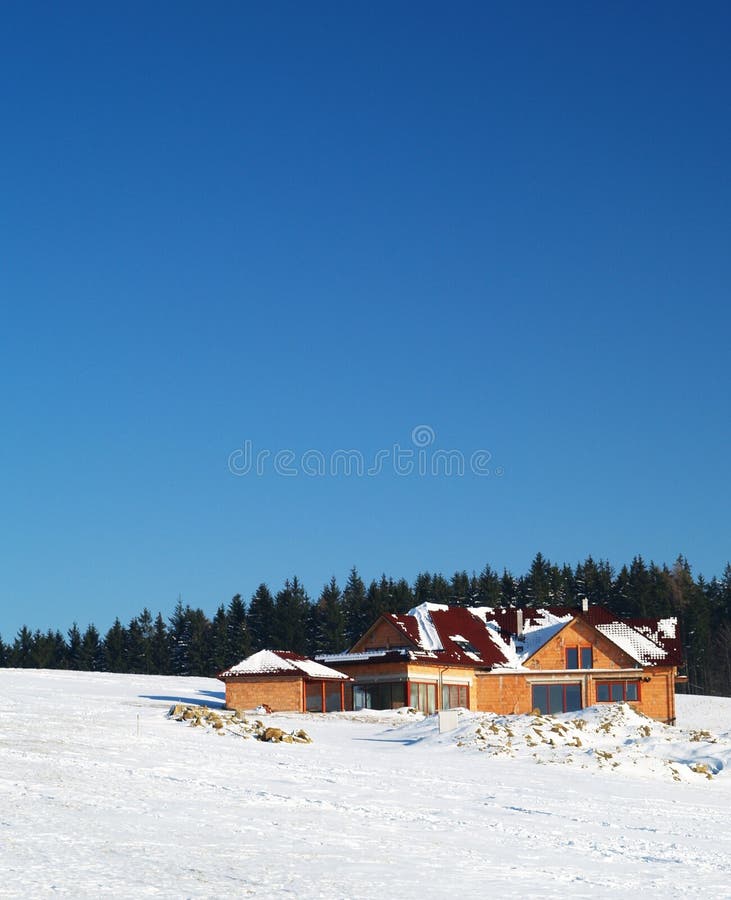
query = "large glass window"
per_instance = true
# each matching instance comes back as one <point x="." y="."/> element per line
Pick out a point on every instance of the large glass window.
<point x="382" y="695"/>
<point x="587" y="658"/>
<point x="423" y="696"/>
<point x="454" y="695"/>
<point x="572" y="657"/>
<point x="617" y="691"/>
<point x="556" y="698"/>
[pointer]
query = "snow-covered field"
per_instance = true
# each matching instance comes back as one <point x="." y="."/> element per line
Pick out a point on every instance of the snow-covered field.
<point x="101" y="794"/>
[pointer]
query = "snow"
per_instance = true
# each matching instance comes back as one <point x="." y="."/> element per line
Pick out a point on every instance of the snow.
<point x="428" y="635"/>
<point x="101" y="794"/>
<point x="266" y="662"/>
<point x="633" y="643"/>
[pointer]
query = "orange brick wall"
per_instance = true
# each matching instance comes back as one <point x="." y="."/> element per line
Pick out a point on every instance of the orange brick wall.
<point x="509" y="694"/>
<point x="503" y="694"/>
<point x="576" y="634"/>
<point x="282" y="693"/>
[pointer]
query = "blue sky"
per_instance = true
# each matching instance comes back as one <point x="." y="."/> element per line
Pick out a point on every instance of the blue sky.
<point x="318" y="226"/>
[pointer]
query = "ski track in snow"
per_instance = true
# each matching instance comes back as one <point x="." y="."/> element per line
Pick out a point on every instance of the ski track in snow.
<point x="90" y="809"/>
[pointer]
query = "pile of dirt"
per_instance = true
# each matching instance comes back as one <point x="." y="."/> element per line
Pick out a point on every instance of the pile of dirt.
<point x="234" y="722"/>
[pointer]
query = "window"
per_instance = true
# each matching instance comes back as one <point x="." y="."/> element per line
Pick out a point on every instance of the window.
<point x="423" y="697"/>
<point x="579" y="658"/>
<point x="617" y="691"/>
<point x="454" y="695"/>
<point x="313" y="693"/>
<point x="556" y="698"/>
<point x="464" y="645"/>
<point x="386" y="695"/>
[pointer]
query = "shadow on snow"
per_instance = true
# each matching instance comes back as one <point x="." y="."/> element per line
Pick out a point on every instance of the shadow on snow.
<point x="170" y="698"/>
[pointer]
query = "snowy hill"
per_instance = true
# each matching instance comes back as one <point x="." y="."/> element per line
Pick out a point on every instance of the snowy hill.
<point x="101" y="794"/>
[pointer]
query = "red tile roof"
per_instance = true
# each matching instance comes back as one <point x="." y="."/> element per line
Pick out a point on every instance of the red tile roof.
<point x="485" y="637"/>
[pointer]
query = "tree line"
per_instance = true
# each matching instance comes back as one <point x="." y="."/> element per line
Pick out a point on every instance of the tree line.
<point x="190" y="642"/>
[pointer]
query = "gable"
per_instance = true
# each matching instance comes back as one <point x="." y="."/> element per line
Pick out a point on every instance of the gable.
<point x="578" y="633"/>
<point x="384" y="634"/>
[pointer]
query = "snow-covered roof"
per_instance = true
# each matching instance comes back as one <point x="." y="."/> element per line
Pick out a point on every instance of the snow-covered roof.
<point x="506" y="638"/>
<point x="538" y="629"/>
<point x="364" y="656"/>
<point x="634" y="644"/>
<point x="428" y="634"/>
<point x="281" y="662"/>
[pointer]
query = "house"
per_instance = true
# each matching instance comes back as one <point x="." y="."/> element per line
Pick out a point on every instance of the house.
<point x="513" y="661"/>
<point x="282" y="680"/>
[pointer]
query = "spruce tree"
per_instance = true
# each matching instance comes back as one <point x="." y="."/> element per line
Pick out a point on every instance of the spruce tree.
<point x="115" y="646"/>
<point x="260" y="618"/>
<point x="328" y="621"/>
<point x="73" y="656"/>
<point x="22" y="650"/>
<point x="355" y="609"/>
<point x="160" y="648"/>
<point x="238" y="638"/>
<point x="221" y="658"/>
<point x="92" y="656"/>
<point x="291" y="613"/>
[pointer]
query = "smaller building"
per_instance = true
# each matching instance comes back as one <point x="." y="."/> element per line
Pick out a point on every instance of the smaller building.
<point x="285" y="682"/>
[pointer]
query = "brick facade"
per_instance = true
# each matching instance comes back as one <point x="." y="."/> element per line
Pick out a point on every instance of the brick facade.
<point x="281" y="693"/>
<point x="505" y="692"/>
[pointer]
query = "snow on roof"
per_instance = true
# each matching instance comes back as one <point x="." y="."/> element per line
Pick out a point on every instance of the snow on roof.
<point x="428" y="634"/>
<point x="538" y="628"/>
<point x="279" y="662"/>
<point x="506" y="638"/>
<point x="634" y="644"/>
<point x="363" y="656"/>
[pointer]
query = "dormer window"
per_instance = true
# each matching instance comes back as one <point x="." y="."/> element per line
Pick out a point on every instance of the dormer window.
<point x="464" y="645"/>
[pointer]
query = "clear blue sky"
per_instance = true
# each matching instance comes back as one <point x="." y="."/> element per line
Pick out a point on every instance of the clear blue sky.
<point x="317" y="226"/>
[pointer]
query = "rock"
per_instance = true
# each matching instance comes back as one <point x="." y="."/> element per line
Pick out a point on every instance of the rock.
<point x="274" y="735"/>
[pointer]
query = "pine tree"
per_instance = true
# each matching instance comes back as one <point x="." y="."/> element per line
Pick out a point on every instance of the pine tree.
<point x="508" y="589"/>
<point x="147" y="629"/>
<point x="537" y="582"/>
<point x="115" y="646"/>
<point x="239" y="640"/>
<point x="199" y="642"/>
<point x="22" y="650"/>
<point x="260" y="618"/>
<point x="403" y="597"/>
<point x="486" y="590"/>
<point x="220" y="656"/>
<point x="134" y="655"/>
<point x="355" y="608"/>
<point x="328" y="621"/>
<point x="73" y="655"/>
<point x="92" y="656"/>
<point x="180" y="634"/>
<point x="160" y="648"/>
<point x="291" y="613"/>
<point x="460" y="589"/>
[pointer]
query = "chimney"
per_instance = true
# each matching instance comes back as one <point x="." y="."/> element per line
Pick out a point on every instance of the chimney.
<point x="585" y="604"/>
<point x="519" y="623"/>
